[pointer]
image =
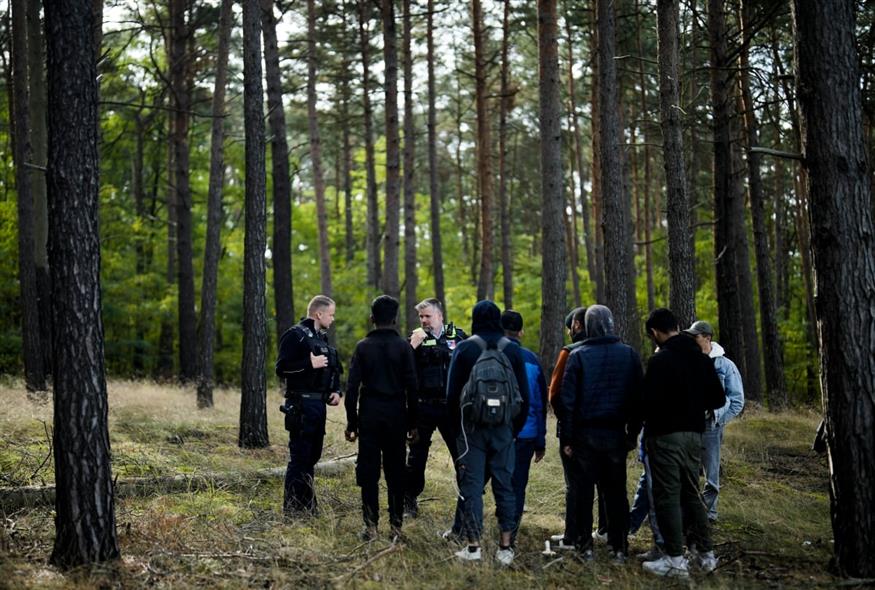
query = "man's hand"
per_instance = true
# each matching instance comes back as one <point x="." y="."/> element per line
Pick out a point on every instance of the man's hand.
<point x="318" y="362"/>
<point x="539" y="454"/>
<point x="413" y="436"/>
<point x="417" y="336"/>
<point x="566" y="450"/>
<point x="350" y="435"/>
<point x="334" y="399"/>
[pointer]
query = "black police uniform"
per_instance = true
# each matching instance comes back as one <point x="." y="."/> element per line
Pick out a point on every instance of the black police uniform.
<point x="307" y="391"/>
<point x="432" y="363"/>
<point x="381" y="406"/>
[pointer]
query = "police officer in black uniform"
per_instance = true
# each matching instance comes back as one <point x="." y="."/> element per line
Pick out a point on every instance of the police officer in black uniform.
<point x="433" y="345"/>
<point x="311" y="369"/>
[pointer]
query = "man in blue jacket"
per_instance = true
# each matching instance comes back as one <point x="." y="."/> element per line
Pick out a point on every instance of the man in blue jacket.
<point x="599" y="424"/>
<point x="716" y="420"/>
<point x="486" y="447"/>
<point x="532" y="439"/>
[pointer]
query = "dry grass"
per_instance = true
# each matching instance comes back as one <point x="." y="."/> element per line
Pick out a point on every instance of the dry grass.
<point x="774" y="527"/>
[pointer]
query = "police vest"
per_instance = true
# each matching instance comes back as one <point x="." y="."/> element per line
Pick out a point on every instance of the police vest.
<point x="324" y="380"/>
<point x="433" y="362"/>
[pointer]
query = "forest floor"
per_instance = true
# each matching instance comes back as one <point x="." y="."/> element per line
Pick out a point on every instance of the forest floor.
<point x="774" y="528"/>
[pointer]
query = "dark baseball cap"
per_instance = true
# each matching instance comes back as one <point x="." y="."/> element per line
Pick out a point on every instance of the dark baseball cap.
<point x="700" y="327"/>
<point x="569" y="319"/>
<point x="511" y="320"/>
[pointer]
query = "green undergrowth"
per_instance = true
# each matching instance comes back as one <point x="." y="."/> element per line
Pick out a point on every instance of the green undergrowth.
<point x="773" y="529"/>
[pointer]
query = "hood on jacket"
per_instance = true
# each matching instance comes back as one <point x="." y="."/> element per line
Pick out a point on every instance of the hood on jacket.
<point x="485" y="317"/>
<point x="716" y="350"/>
<point x="599" y="322"/>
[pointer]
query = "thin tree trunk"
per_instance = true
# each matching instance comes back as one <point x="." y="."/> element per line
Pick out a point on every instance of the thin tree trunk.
<point x="36" y="59"/>
<point x="776" y="392"/>
<point x="597" y="193"/>
<point x="373" y="211"/>
<point x="681" y="258"/>
<point x="346" y="65"/>
<point x="410" y="277"/>
<point x="281" y="246"/>
<point x="316" y="152"/>
<point x="393" y="177"/>
<point x="181" y="88"/>
<point x="34" y="371"/>
<point x="138" y="190"/>
<point x="85" y="529"/>
<point x="619" y="259"/>
<point x="437" y="255"/>
<point x="484" y="151"/>
<point x="578" y="152"/>
<point x="253" y="403"/>
<point x="503" y="200"/>
<point x="212" y="247"/>
<point x="843" y="243"/>
<point x="553" y="270"/>
<point x="164" y="368"/>
<point x="648" y="176"/>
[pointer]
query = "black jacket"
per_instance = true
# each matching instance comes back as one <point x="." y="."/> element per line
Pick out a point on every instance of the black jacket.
<point x="382" y="367"/>
<point x="293" y="362"/>
<point x="486" y="323"/>
<point x="679" y="386"/>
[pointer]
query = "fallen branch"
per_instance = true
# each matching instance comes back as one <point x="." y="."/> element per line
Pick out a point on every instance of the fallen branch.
<point x="390" y="549"/>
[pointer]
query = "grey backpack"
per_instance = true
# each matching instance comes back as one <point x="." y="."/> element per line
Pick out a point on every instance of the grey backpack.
<point x="491" y="397"/>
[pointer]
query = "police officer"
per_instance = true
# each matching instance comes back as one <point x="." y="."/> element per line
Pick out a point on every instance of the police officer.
<point x="311" y="369"/>
<point x="433" y="345"/>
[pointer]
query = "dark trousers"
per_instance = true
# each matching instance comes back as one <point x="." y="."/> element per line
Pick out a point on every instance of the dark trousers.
<point x="525" y="450"/>
<point x="305" y="449"/>
<point x="382" y="437"/>
<point x="571" y="532"/>
<point x="674" y="464"/>
<point x="430" y="417"/>
<point x="481" y="451"/>
<point x="600" y="459"/>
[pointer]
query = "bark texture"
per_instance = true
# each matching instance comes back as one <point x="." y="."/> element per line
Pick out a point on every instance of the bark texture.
<point x="484" y="153"/>
<point x="393" y="175"/>
<point x="437" y="257"/>
<point x="410" y="275"/>
<point x="373" y="210"/>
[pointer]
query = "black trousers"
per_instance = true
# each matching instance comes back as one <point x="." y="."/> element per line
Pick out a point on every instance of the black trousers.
<point x="305" y="450"/>
<point x="382" y="438"/>
<point x="431" y="417"/>
<point x="599" y="458"/>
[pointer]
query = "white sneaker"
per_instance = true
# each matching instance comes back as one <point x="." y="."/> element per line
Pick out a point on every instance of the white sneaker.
<point x="556" y="538"/>
<point x="672" y="567"/>
<point x="707" y="562"/>
<point x="504" y="556"/>
<point x="561" y="545"/>
<point x="598" y="537"/>
<point x="465" y="554"/>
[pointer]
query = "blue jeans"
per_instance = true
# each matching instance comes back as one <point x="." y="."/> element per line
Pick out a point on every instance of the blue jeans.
<point x="712" y="439"/>
<point x="525" y="450"/>
<point x="642" y="505"/>
<point x="482" y="449"/>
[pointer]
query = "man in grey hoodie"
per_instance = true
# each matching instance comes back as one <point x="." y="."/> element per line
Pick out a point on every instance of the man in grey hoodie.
<point x="716" y="420"/>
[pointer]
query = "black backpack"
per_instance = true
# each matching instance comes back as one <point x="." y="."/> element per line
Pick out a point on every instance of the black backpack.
<point x="491" y="396"/>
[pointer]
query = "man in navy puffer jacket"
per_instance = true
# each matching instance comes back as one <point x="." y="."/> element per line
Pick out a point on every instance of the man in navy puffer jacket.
<point x="598" y="421"/>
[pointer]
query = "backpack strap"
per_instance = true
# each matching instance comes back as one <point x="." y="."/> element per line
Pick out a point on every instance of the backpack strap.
<point x="502" y="343"/>
<point x="478" y="341"/>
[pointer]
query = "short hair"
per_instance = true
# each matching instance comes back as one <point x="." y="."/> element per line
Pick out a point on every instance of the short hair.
<point x="430" y="302"/>
<point x="384" y="310"/>
<point x="662" y="320"/>
<point x="319" y="302"/>
<point x="512" y="321"/>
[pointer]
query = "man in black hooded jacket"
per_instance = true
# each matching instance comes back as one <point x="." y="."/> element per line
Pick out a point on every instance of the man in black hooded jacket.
<point x="481" y="448"/>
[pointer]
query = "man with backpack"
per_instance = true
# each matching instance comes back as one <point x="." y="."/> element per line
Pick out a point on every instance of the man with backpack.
<point x="488" y="396"/>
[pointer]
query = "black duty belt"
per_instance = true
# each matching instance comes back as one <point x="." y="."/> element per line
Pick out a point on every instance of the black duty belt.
<point x="306" y="395"/>
<point x="433" y="400"/>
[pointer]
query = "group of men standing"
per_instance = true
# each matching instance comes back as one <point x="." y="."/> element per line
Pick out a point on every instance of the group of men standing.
<point x="487" y="396"/>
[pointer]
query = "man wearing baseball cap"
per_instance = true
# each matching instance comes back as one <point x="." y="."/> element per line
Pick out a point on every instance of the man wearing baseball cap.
<point x="716" y="420"/>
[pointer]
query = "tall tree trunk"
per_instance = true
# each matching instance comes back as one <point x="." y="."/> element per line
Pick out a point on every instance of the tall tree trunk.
<point x="316" y="152"/>
<point x="484" y="152"/>
<point x="437" y="255"/>
<point x="616" y="214"/>
<point x="281" y="247"/>
<point x="164" y="368"/>
<point x="212" y="247"/>
<point x="725" y="191"/>
<point x="34" y="372"/>
<point x="181" y="89"/>
<point x="553" y="270"/>
<point x="840" y="213"/>
<point x="597" y="193"/>
<point x="138" y="190"/>
<point x="349" y="236"/>
<point x="648" y="176"/>
<point x="772" y="349"/>
<point x="410" y="278"/>
<point x="681" y="258"/>
<point x="373" y="211"/>
<point x="253" y="403"/>
<point x="84" y="506"/>
<point x="503" y="200"/>
<point x="578" y="153"/>
<point x="36" y="59"/>
<point x="393" y="176"/>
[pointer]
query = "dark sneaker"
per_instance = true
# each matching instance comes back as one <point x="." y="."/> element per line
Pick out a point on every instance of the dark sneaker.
<point x="368" y="534"/>
<point x="411" y="508"/>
